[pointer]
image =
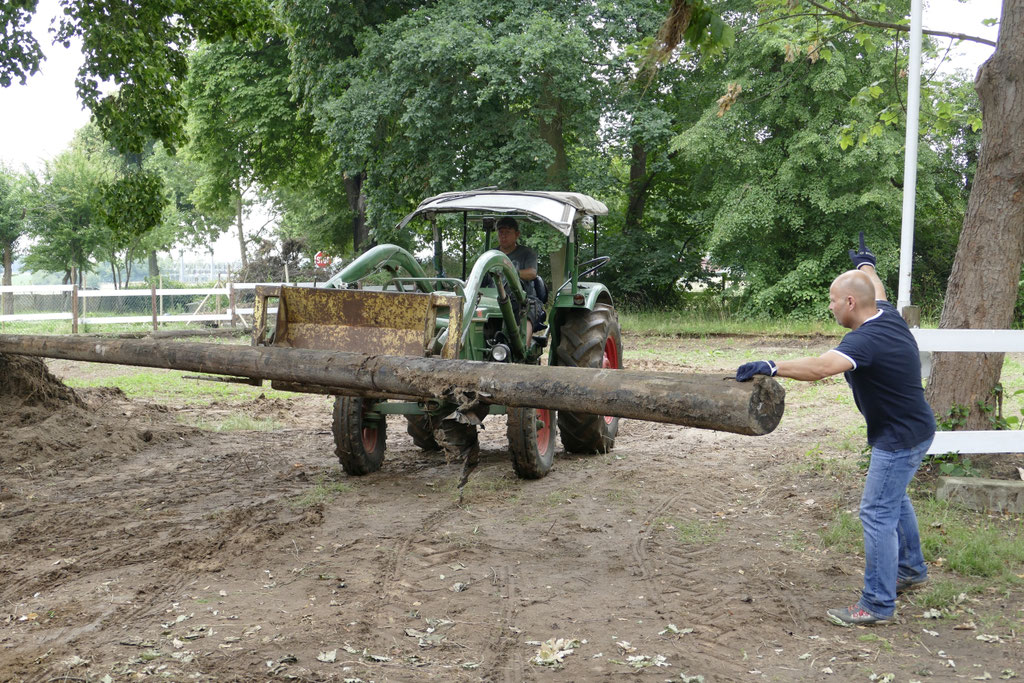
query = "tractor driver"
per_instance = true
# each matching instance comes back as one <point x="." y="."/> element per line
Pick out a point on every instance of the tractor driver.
<point x="525" y="261"/>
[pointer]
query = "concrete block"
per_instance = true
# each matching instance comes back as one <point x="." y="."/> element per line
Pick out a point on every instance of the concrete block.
<point x="990" y="495"/>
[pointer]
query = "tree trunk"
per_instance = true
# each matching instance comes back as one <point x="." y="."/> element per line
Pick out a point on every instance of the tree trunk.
<point x="357" y="203"/>
<point x="639" y="182"/>
<point x="707" y="401"/>
<point x="154" y="266"/>
<point x="550" y="128"/>
<point x="241" y="234"/>
<point x="983" y="284"/>
<point x="8" y="299"/>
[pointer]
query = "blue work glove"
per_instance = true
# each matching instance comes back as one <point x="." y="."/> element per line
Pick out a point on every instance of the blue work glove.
<point x="863" y="256"/>
<point x="747" y="371"/>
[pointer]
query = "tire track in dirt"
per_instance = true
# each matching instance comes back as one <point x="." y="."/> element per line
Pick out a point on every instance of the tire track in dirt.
<point x="678" y="581"/>
<point x="507" y="665"/>
<point x="389" y="577"/>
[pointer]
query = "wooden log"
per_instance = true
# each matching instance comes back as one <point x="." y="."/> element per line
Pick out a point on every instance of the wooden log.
<point x="707" y="401"/>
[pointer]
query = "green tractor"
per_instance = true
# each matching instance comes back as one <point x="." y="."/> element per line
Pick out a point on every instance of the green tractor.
<point x="385" y="302"/>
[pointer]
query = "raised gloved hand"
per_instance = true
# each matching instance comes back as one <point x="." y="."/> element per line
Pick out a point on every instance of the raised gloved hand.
<point x="863" y="256"/>
<point x="747" y="371"/>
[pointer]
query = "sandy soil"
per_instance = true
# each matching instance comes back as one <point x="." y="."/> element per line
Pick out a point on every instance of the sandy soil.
<point x="132" y="544"/>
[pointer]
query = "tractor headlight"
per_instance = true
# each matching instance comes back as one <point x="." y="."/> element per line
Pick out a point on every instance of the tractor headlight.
<point x="499" y="352"/>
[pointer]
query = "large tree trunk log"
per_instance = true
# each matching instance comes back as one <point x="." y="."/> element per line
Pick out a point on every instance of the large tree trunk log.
<point x="705" y="401"/>
<point x="986" y="272"/>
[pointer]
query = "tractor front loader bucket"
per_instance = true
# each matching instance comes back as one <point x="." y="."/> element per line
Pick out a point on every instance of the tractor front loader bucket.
<point x="358" y="321"/>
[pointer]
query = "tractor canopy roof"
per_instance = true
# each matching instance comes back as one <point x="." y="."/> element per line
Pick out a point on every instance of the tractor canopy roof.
<point x="558" y="209"/>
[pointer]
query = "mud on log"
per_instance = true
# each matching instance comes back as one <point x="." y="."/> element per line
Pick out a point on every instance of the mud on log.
<point x="695" y="400"/>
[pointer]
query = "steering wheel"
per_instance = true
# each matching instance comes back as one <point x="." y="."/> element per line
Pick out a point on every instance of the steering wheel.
<point x="588" y="267"/>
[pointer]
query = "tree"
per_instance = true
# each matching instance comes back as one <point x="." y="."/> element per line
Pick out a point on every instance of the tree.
<point x="459" y="94"/>
<point x="140" y="47"/>
<point x="791" y="162"/>
<point x="64" y="216"/>
<point x="323" y="35"/>
<point x="248" y="135"/>
<point x="12" y="224"/>
<point x="985" y="282"/>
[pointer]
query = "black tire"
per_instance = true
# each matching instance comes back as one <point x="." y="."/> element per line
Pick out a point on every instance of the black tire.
<point x="421" y="429"/>
<point x="532" y="447"/>
<point x="358" y="443"/>
<point x="589" y="339"/>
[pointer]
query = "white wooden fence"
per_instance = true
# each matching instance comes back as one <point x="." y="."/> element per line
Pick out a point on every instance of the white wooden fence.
<point x="78" y="303"/>
<point x="971" y="341"/>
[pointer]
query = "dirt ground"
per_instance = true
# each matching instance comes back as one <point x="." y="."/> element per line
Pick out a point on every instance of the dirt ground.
<point x="134" y="545"/>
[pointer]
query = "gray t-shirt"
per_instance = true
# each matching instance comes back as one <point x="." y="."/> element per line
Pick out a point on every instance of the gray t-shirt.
<point x="523" y="258"/>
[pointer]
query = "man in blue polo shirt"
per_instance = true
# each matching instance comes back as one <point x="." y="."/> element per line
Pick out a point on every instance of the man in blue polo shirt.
<point x="880" y="360"/>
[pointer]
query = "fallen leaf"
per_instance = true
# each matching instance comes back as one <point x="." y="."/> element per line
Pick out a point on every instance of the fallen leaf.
<point x="328" y="656"/>
<point x="553" y="651"/>
<point x="932" y="614"/>
<point x="931" y="633"/>
<point x="966" y="626"/>
<point x="986" y="638"/>
<point x="983" y="677"/>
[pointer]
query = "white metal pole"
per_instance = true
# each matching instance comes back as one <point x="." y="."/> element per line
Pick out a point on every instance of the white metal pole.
<point x="910" y="159"/>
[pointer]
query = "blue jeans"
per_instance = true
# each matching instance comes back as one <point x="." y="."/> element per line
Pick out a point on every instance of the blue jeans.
<point x="892" y="542"/>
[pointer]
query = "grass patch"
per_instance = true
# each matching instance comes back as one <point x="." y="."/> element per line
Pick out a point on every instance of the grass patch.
<point x="169" y="387"/>
<point x="943" y="594"/>
<point x="987" y="551"/>
<point x="844" y="533"/>
<point x="970" y="544"/>
<point x="562" y="497"/>
<point x="236" y="422"/>
<point x="709" y="322"/>
<point x="323" y="491"/>
<point x="688" y="532"/>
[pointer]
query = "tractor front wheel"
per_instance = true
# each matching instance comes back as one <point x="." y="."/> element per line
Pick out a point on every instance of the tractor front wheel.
<point x="589" y="339"/>
<point x="531" y="440"/>
<point x="358" y="441"/>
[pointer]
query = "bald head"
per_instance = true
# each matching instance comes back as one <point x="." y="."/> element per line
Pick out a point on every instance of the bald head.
<point x="858" y="285"/>
<point x="852" y="299"/>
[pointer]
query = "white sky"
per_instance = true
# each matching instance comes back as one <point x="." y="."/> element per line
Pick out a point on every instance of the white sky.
<point x="38" y="120"/>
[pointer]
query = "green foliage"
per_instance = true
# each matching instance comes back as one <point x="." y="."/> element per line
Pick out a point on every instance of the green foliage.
<point x="131" y="206"/>
<point x="20" y="53"/>
<point x="460" y="94"/>
<point x="141" y="48"/>
<point x="793" y="179"/>
<point x="13" y="208"/>
<point x="64" y="216"/>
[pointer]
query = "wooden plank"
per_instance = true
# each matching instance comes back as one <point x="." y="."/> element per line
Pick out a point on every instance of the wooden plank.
<point x="970" y="341"/>
<point x="993" y="441"/>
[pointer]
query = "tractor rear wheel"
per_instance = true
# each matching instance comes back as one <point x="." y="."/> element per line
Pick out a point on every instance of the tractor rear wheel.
<point x="531" y="440"/>
<point x="589" y="339"/>
<point x="358" y="442"/>
<point x="421" y="429"/>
